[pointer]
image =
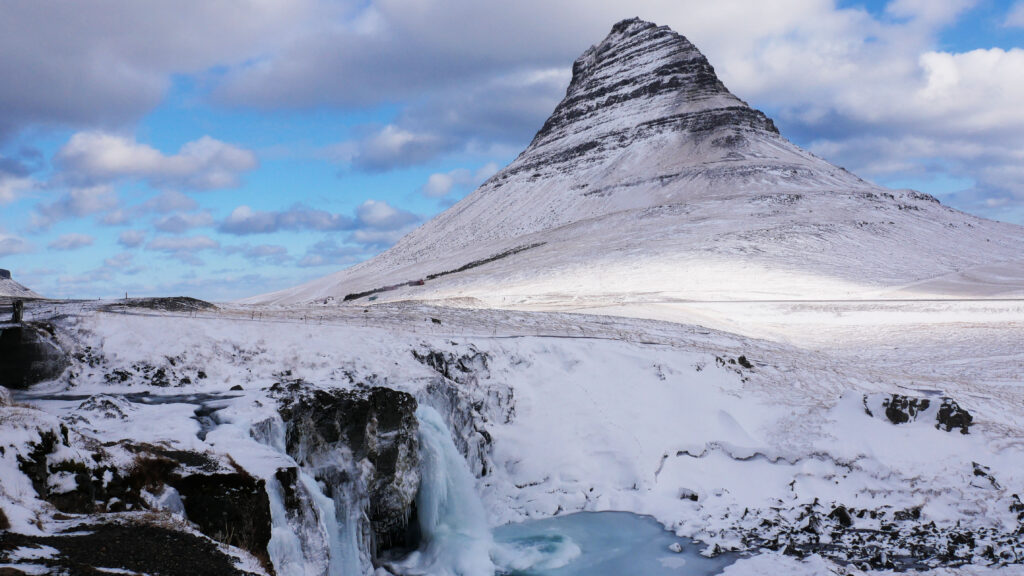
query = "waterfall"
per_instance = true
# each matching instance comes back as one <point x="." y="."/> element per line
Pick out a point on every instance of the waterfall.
<point x="456" y="536"/>
<point x="308" y="541"/>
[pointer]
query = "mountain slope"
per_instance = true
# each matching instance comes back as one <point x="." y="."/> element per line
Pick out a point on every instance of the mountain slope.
<point x="9" y="288"/>
<point x="652" y="182"/>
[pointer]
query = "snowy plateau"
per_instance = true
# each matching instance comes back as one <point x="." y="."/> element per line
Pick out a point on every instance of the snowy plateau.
<point x="664" y="340"/>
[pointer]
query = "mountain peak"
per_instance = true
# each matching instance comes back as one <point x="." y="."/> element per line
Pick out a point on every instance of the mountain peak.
<point x="650" y="180"/>
<point x="640" y="81"/>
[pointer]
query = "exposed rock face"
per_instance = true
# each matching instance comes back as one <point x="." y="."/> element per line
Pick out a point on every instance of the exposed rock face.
<point x="642" y="80"/>
<point x="133" y="548"/>
<point x="227" y="505"/>
<point x="900" y="409"/>
<point x="363" y="445"/>
<point x="29" y="354"/>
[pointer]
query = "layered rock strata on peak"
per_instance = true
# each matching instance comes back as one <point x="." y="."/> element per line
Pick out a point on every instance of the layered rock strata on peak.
<point x="650" y="165"/>
<point x="640" y="81"/>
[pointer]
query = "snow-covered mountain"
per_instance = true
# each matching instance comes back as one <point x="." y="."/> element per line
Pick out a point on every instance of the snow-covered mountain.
<point x="847" y="437"/>
<point x="10" y="288"/>
<point x="651" y="182"/>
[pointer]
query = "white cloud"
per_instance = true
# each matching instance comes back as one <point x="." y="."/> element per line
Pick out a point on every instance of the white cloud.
<point x="162" y="203"/>
<point x="1015" y="17"/>
<point x="10" y="245"/>
<point x="440" y="184"/>
<point x="182" y="221"/>
<point x="71" y="242"/>
<point x="132" y="238"/>
<point x="12" y="187"/>
<point x="203" y="164"/>
<point x="378" y="214"/>
<point x="245" y="220"/>
<point x="74" y="203"/>
<point x="394" y="147"/>
<point x="185" y="249"/>
<point x="108" y="63"/>
<point x="329" y="252"/>
<point x="170" y="201"/>
<point x="931" y="12"/>
<point x="191" y="243"/>
<point x="261" y="254"/>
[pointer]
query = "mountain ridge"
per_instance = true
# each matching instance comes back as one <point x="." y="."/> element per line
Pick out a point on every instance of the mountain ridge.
<point x="649" y="164"/>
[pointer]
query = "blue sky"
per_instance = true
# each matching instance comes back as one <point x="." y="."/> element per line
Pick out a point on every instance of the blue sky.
<point x="221" y="150"/>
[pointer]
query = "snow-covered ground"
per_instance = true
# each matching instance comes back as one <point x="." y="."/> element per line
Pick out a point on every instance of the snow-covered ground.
<point x="590" y="412"/>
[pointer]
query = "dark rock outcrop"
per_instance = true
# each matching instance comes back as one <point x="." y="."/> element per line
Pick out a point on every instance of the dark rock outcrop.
<point x="231" y="507"/>
<point x="29" y="354"/>
<point x="138" y="548"/>
<point x="900" y="409"/>
<point x="951" y="416"/>
<point x="376" y="479"/>
<point x="225" y="504"/>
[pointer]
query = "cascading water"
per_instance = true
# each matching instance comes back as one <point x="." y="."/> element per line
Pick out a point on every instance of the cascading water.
<point x="453" y="525"/>
<point x="305" y="544"/>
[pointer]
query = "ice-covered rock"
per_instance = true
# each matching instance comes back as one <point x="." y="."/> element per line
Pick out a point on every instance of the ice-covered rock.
<point x="29" y="354"/>
<point x="362" y="444"/>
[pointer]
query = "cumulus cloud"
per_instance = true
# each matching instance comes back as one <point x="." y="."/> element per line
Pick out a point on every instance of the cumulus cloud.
<point x="132" y="238"/>
<point x="181" y="222"/>
<point x="123" y="263"/>
<point x="74" y="203"/>
<point x="330" y="253"/>
<point x="184" y="248"/>
<point x="14" y="174"/>
<point x="440" y="184"/>
<point x="163" y="203"/>
<point x="375" y="223"/>
<point x="71" y="242"/>
<point x="261" y="254"/>
<point x="170" y="201"/>
<point x="1015" y="17"/>
<point x="206" y="163"/>
<point x="11" y="187"/>
<point x="10" y="245"/>
<point x="244" y="220"/>
<point x="393" y="147"/>
<point x="929" y="11"/>
<point x="380" y="215"/>
<point x="108" y="62"/>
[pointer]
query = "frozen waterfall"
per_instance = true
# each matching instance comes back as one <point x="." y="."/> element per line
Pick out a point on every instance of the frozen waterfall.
<point x="456" y="536"/>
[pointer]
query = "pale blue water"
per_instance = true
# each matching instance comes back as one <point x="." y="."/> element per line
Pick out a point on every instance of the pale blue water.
<point x="599" y="544"/>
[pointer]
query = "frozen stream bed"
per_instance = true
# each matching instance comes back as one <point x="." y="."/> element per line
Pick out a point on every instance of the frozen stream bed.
<point x="602" y="544"/>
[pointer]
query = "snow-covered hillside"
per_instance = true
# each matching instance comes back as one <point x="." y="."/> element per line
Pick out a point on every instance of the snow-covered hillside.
<point x="9" y="288"/>
<point x="652" y="183"/>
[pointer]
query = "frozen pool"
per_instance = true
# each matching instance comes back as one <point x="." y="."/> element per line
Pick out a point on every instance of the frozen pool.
<point x="599" y="544"/>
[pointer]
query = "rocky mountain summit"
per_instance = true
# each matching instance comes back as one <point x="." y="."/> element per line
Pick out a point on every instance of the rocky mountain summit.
<point x="651" y="177"/>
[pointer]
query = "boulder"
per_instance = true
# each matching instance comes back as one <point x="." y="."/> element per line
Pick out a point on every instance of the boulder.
<point x="29" y="354"/>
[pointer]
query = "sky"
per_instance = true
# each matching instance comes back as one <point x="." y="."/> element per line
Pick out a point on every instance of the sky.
<point x="230" y="148"/>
